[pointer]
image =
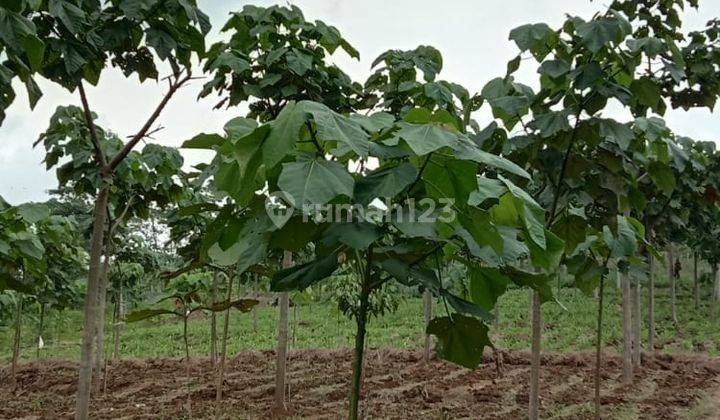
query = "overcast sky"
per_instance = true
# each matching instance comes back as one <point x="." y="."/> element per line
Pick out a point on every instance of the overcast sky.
<point x="471" y="34"/>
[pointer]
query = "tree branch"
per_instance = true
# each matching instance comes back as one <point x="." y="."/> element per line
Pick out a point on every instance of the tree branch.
<point x="99" y="154"/>
<point x="174" y="86"/>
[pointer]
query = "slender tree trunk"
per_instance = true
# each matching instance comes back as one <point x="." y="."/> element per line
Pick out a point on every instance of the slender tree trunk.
<point x="90" y="314"/>
<point x="41" y="324"/>
<point x="117" y="327"/>
<point x="294" y="324"/>
<point x="427" y="313"/>
<point x="213" y="323"/>
<point x="637" y="323"/>
<point x="671" y="276"/>
<point x="598" y="346"/>
<point x="651" y="302"/>
<point x="282" y="347"/>
<point x="220" y="374"/>
<point x="716" y="291"/>
<point x="16" y="339"/>
<point x="696" y="282"/>
<point x="361" y="321"/>
<point x="187" y="362"/>
<point x="626" y="329"/>
<point x="256" y="307"/>
<point x="534" y="407"/>
<point x="100" y="336"/>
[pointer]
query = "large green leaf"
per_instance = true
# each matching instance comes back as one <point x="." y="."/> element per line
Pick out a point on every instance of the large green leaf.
<point x="465" y="307"/>
<point x="33" y="212"/>
<point x="486" y="285"/>
<point x="426" y="138"/>
<point x="646" y="92"/>
<point x="238" y="171"/>
<point x="537" y="38"/>
<point x="529" y="211"/>
<point x="69" y="14"/>
<point x="243" y="243"/>
<point x="284" y="134"/>
<point x="466" y="150"/>
<point x="385" y="182"/>
<point x="143" y="314"/>
<point x="203" y="141"/>
<point x="302" y="276"/>
<point x="356" y="235"/>
<point x="332" y="126"/>
<point x="548" y="258"/>
<point x="599" y="32"/>
<point x="662" y="175"/>
<point x="616" y="132"/>
<point x="315" y="180"/>
<point x="461" y="339"/>
<point x="551" y="123"/>
<point x="540" y="282"/>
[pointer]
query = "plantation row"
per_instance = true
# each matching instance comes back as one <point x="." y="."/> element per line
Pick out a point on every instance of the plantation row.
<point x="387" y="185"/>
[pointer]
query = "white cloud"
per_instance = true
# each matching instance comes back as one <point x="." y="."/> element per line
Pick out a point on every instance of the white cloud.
<point x="471" y="34"/>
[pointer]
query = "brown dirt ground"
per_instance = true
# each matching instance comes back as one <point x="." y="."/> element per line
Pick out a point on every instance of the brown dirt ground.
<point x="398" y="384"/>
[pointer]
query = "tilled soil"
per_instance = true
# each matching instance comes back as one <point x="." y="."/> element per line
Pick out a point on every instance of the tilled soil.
<point x="398" y="384"/>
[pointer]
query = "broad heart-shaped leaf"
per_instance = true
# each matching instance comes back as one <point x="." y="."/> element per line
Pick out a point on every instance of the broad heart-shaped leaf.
<point x="488" y="189"/>
<point x="385" y="182"/>
<point x="332" y="126"/>
<point x="540" y="282"/>
<point x="426" y="138"/>
<point x="509" y="107"/>
<point x="35" y="50"/>
<point x="586" y="271"/>
<point x="239" y="127"/>
<point x="69" y="14"/>
<point x="239" y="166"/>
<point x="465" y="149"/>
<point x="448" y="179"/>
<point x="302" y="276"/>
<point x="486" y="285"/>
<point x="662" y="175"/>
<point x="548" y="258"/>
<point x="625" y="242"/>
<point x="554" y="68"/>
<point x="285" y="131"/>
<point x="598" y="32"/>
<point x="465" y="307"/>
<point x="572" y="229"/>
<point x="143" y="314"/>
<point x="461" y="339"/>
<point x="295" y="234"/>
<point x="315" y="180"/>
<point x="245" y="246"/>
<point x="551" y="123"/>
<point x="616" y="132"/>
<point x="529" y="212"/>
<point x="33" y="212"/>
<point x="356" y="235"/>
<point x="477" y="223"/>
<point x="203" y="141"/>
<point x="646" y="92"/>
<point x="537" y="38"/>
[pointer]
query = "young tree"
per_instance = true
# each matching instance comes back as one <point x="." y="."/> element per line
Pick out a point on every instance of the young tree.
<point x="275" y="56"/>
<point x="70" y="43"/>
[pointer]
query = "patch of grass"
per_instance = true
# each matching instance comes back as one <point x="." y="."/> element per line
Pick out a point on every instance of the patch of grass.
<point x="570" y="327"/>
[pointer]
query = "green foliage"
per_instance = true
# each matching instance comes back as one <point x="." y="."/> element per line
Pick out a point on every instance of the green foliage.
<point x="275" y="56"/>
<point x="67" y="42"/>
